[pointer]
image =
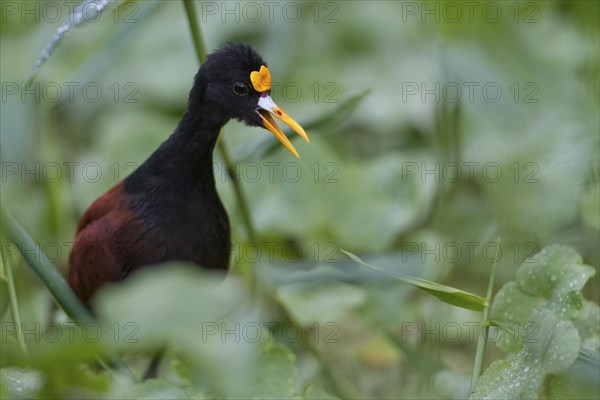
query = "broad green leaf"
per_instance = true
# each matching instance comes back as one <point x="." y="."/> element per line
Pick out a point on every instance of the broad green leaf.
<point x="277" y="376"/>
<point x="588" y="321"/>
<point x="553" y="271"/>
<point x="310" y="304"/>
<point x="552" y="280"/>
<point x="19" y="383"/>
<point x="554" y="347"/>
<point x="447" y="294"/>
<point x="208" y="321"/>
<point x="511" y="305"/>
<point x="393" y="207"/>
<point x="277" y="373"/>
<point x="71" y="349"/>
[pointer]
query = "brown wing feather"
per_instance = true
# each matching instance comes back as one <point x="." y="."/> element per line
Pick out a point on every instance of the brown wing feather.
<point x="102" y="206"/>
<point x="98" y="255"/>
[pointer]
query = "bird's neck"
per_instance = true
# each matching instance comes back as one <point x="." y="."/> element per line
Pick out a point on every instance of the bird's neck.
<point x="190" y="147"/>
<point x="185" y="158"/>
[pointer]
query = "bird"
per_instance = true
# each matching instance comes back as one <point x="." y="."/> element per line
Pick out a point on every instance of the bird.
<point x="168" y="209"/>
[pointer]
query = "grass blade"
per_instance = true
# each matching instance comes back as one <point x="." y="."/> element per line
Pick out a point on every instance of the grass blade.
<point x="6" y="269"/>
<point x="38" y="261"/>
<point x="447" y="294"/>
<point x="78" y="17"/>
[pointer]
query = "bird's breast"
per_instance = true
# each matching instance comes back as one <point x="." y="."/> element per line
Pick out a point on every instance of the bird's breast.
<point x="192" y="229"/>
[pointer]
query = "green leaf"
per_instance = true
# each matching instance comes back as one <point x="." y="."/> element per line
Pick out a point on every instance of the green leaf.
<point x="554" y="347"/>
<point x="552" y="272"/>
<point x="447" y="294"/>
<point x="277" y="376"/>
<point x="208" y="321"/>
<point x="71" y="349"/>
<point x="277" y="373"/>
<point x="552" y="279"/>
<point x="310" y="304"/>
<point x="19" y="383"/>
<point x="588" y="321"/>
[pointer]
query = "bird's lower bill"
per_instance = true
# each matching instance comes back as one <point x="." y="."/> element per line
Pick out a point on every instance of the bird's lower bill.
<point x="267" y="108"/>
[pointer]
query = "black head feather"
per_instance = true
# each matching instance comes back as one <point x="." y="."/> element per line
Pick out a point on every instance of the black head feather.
<point x="214" y="89"/>
<point x="233" y="59"/>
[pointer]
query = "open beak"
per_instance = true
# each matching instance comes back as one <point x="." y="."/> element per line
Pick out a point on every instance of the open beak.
<point x="266" y="109"/>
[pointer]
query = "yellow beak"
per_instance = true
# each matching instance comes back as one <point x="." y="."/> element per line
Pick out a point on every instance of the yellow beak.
<point x="267" y="108"/>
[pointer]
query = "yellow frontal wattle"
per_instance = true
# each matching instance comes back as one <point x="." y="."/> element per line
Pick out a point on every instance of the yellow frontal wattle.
<point x="261" y="80"/>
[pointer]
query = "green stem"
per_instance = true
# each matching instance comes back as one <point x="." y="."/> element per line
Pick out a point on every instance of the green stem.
<point x="239" y="194"/>
<point x="223" y="151"/>
<point x="484" y="325"/>
<point x="6" y="268"/>
<point x="190" y="10"/>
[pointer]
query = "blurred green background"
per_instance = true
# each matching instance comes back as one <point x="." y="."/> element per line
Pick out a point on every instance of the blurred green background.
<point x="505" y="94"/>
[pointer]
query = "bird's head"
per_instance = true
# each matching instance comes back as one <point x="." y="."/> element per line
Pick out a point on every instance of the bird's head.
<point x="236" y="82"/>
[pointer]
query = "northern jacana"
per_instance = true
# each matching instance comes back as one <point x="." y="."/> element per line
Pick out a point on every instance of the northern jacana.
<point x="168" y="208"/>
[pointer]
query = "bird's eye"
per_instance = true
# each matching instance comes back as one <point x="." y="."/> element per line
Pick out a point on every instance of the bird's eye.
<point x="240" y="89"/>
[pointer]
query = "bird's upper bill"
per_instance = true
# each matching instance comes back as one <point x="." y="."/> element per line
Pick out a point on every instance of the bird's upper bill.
<point x="261" y="81"/>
